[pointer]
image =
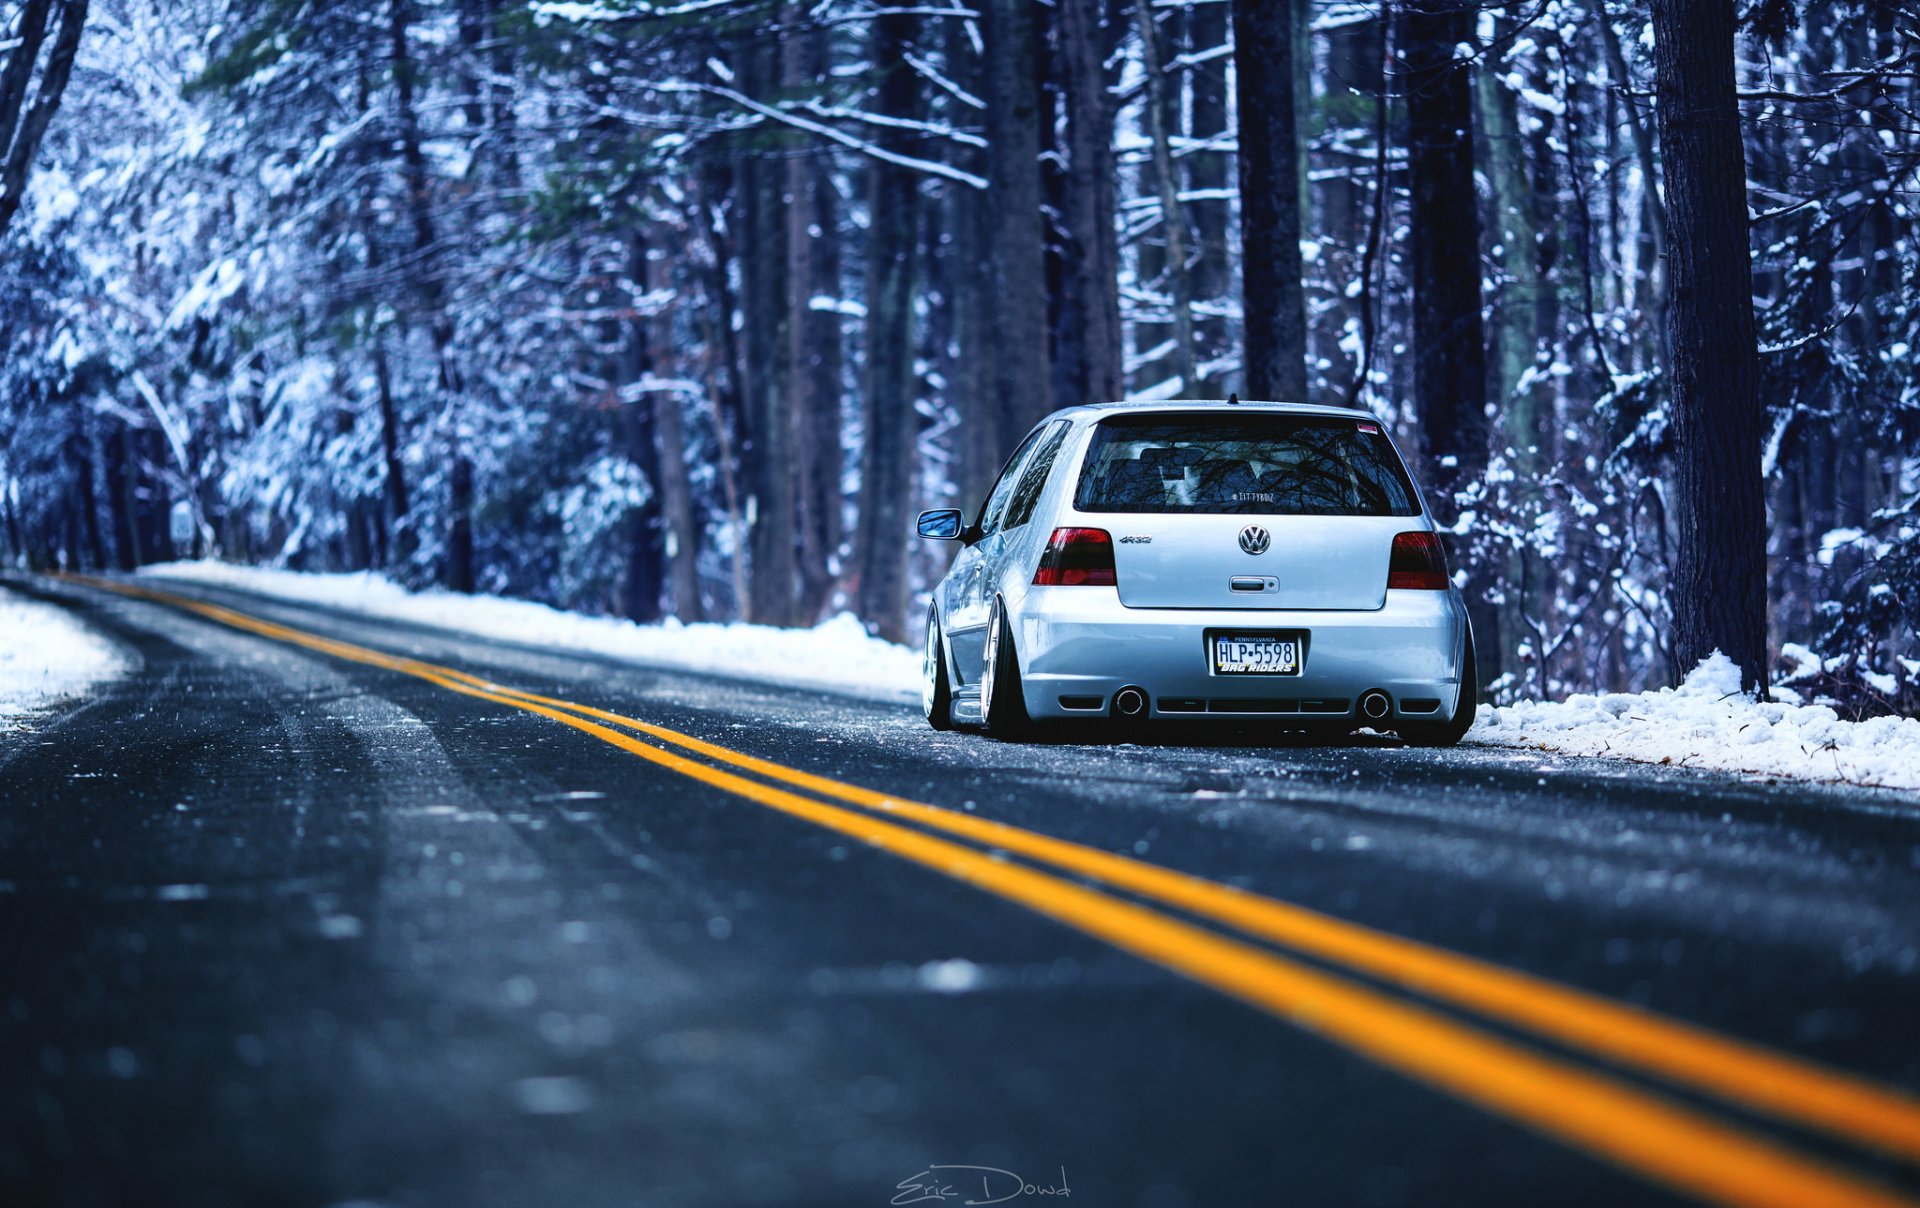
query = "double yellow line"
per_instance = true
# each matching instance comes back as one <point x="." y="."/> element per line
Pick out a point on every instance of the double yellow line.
<point x="1641" y="1130"/>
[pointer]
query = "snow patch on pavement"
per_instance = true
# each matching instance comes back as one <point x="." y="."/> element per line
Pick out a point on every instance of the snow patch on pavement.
<point x="838" y="654"/>
<point x="1707" y="723"/>
<point x="47" y="656"/>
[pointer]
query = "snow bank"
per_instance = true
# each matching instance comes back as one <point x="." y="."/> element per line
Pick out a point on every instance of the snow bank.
<point x="838" y="654"/>
<point x="1704" y="723"/>
<point x="1707" y="723"/>
<point x="47" y="656"/>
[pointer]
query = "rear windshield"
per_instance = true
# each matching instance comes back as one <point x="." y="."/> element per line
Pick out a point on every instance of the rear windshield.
<point x="1287" y="465"/>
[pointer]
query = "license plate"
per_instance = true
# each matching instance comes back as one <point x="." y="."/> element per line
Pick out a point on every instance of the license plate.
<point x="1256" y="653"/>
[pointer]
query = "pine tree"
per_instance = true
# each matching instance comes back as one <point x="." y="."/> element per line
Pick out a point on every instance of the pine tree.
<point x="1720" y="568"/>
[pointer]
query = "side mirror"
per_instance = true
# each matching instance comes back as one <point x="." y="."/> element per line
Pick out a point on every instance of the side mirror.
<point x="941" y="524"/>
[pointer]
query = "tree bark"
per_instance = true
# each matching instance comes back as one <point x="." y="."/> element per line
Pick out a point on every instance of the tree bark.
<point x="426" y="270"/>
<point x="1720" y="573"/>
<point x="1274" y="302"/>
<point x="1019" y="245"/>
<point x="719" y="193"/>
<point x="1449" y="341"/>
<point x="814" y="271"/>
<point x="16" y="549"/>
<point x="1211" y="213"/>
<point x="1637" y="132"/>
<point x="119" y="487"/>
<point x="768" y="456"/>
<point x="1449" y="344"/>
<point x="1173" y="217"/>
<point x="966" y="267"/>
<point x="672" y="481"/>
<point x="1525" y="414"/>
<point x="413" y="159"/>
<point x="826" y="363"/>
<point x="22" y="123"/>
<point x="460" y="528"/>
<point x="396" y="472"/>
<point x="893" y="422"/>
<point x="646" y="538"/>
<point x="80" y="445"/>
<point x="1088" y="338"/>
<point x="1512" y="240"/>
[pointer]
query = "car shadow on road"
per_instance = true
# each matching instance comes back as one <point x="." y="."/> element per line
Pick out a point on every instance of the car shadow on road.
<point x="1161" y="733"/>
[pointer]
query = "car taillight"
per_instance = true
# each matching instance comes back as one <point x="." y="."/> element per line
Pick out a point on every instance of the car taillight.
<point x="1418" y="562"/>
<point x="1076" y="557"/>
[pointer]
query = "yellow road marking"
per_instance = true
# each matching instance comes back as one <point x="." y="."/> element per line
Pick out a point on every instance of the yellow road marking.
<point x="1758" y="1078"/>
<point x="1642" y="1131"/>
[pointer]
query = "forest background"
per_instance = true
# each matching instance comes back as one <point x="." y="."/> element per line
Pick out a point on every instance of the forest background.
<point x="684" y="309"/>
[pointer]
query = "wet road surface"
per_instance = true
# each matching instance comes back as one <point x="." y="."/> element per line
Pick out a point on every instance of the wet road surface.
<point x="285" y="923"/>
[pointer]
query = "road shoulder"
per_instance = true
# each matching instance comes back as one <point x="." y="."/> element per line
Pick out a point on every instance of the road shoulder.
<point x="50" y="661"/>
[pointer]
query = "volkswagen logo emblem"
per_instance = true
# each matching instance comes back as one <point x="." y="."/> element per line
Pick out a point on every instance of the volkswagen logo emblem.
<point x="1254" y="539"/>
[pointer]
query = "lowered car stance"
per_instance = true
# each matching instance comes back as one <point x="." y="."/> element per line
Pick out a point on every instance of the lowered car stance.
<point x="1260" y="563"/>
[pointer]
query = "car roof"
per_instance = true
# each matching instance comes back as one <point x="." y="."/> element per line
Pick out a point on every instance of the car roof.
<point x="1098" y="411"/>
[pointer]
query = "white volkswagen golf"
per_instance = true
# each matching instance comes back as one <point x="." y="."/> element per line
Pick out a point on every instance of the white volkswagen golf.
<point x="1259" y="563"/>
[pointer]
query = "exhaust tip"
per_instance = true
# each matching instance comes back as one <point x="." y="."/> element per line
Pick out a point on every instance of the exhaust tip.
<point x="1374" y="704"/>
<point x="1130" y="702"/>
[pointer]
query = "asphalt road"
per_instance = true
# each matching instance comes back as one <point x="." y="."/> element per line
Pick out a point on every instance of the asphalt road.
<point x="284" y="922"/>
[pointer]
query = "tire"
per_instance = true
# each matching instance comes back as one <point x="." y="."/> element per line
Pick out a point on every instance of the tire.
<point x="1448" y="733"/>
<point x="1003" y="705"/>
<point x="936" y="690"/>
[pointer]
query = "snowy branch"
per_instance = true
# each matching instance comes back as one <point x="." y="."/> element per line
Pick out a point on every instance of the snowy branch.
<point x="769" y="112"/>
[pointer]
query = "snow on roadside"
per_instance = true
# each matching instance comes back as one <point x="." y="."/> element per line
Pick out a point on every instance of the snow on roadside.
<point x="1704" y="723"/>
<point x="46" y="656"/>
<point x="1707" y="723"/>
<point x="838" y="654"/>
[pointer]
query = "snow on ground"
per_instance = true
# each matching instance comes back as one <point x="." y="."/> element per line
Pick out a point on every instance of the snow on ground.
<point x="1704" y="723"/>
<point x="838" y="654"/>
<point x="47" y="656"/>
<point x="1707" y="723"/>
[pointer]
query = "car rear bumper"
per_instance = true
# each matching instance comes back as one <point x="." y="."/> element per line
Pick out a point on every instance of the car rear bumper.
<point x="1080" y="645"/>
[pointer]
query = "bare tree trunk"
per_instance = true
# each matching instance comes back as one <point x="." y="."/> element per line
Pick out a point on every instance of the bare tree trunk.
<point x="80" y="443"/>
<point x="1173" y="217"/>
<point x="426" y="270"/>
<point x="827" y="363"/>
<point x="1276" y="309"/>
<point x="119" y="486"/>
<point x="1550" y="219"/>
<point x="646" y="539"/>
<point x="1511" y="341"/>
<point x="1367" y="304"/>
<point x="396" y="472"/>
<point x="1720" y="574"/>
<point x="1207" y="176"/>
<point x="1449" y="346"/>
<point x="396" y="544"/>
<point x="23" y="122"/>
<point x="887" y="466"/>
<point x="1019" y="267"/>
<point x="966" y="265"/>
<point x="814" y="260"/>
<point x="1087" y="338"/>
<point x="725" y="368"/>
<point x="1873" y="247"/>
<point x="1524" y="424"/>
<point x="1637" y="131"/>
<point x="672" y="482"/>
<point x="768" y="458"/>
<point x="1449" y="342"/>
<point x="16" y="539"/>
